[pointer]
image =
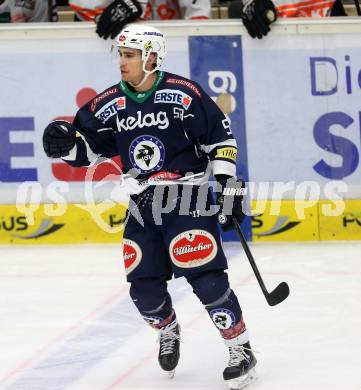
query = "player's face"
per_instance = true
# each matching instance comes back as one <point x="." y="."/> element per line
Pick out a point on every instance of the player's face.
<point x="131" y="64"/>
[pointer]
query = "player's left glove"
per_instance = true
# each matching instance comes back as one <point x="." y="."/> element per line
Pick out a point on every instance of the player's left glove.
<point x="114" y="17"/>
<point x="230" y="200"/>
<point x="257" y="15"/>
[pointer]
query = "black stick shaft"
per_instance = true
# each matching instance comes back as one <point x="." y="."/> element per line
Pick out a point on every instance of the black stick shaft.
<point x="249" y="256"/>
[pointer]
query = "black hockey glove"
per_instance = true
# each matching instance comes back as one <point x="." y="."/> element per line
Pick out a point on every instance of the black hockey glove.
<point x="58" y="139"/>
<point x="119" y="13"/>
<point x="230" y="200"/>
<point x="257" y="15"/>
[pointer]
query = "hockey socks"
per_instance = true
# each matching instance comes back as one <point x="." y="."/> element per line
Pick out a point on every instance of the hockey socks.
<point x="226" y="315"/>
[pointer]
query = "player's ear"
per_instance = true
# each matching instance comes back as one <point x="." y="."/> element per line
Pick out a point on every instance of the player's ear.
<point x="152" y="61"/>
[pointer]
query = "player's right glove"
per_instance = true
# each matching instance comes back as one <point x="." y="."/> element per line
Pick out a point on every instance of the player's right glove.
<point x="119" y="13"/>
<point x="58" y="138"/>
<point x="230" y="200"/>
<point x="257" y="15"/>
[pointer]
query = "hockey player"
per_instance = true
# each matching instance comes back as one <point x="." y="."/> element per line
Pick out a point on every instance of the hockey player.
<point x="168" y="132"/>
<point x="112" y="15"/>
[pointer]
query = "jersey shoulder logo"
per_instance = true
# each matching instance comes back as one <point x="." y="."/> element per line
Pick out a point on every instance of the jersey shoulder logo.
<point x="104" y="95"/>
<point x="173" y="96"/>
<point x="110" y="109"/>
<point x="185" y="83"/>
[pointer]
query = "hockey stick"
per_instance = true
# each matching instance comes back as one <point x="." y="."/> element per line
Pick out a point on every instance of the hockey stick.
<point x="281" y="292"/>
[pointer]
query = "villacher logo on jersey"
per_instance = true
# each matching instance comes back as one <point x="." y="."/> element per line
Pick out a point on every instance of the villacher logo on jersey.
<point x="158" y="119"/>
<point x="193" y="248"/>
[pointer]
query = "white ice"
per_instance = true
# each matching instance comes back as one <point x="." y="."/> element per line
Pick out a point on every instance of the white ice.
<point x="66" y="321"/>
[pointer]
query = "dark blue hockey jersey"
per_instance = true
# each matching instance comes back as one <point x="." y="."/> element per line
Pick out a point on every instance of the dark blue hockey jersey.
<point x="172" y="132"/>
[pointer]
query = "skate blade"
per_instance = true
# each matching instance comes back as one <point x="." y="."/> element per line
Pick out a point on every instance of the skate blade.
<point x="243" y="381"/>
<point x="170" y="374"/>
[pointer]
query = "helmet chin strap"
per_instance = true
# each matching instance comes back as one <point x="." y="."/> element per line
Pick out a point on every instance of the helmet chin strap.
<point x="147" y="73"/>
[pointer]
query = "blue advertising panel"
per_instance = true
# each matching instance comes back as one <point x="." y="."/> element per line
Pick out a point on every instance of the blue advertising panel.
<point x="216" y="64"/>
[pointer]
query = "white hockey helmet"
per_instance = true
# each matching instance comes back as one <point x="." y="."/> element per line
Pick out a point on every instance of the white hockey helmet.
<point x="146" y="38"/>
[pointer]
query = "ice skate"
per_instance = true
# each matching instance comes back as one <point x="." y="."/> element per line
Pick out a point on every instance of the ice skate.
<point x="169" y="338"/>
<point x="240" y="371"/>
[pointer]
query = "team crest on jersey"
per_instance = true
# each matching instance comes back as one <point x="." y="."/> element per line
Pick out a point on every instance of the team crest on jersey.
<point x="223" y="318"/>
<point x="173" y="96"/>
<point x="147" y="153"/>
<point x="132" y="255"/>
<point x="193" y="248"/>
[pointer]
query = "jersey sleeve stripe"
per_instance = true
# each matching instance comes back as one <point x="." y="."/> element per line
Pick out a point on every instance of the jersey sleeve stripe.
<point x="208" y="148"/>
<point x="220" y="167"/>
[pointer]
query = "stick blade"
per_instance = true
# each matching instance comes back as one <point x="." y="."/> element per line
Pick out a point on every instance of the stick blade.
<point x="279" y="294"/>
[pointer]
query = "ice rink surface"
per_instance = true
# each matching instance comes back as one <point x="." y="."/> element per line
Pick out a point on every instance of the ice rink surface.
<point x="66" y="321"/>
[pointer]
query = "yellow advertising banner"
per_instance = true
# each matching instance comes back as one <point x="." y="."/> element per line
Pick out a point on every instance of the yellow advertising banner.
<point x="285" y="220"/>
<point x="345" y="226"/>
<point x="61" y="224"/>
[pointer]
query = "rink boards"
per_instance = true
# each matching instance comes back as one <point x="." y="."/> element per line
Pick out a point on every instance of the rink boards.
<point x="299" y="221"/>
<point x="62" y="224"/>
<point x="292" y="98"/>
<point x="271" y="221"/>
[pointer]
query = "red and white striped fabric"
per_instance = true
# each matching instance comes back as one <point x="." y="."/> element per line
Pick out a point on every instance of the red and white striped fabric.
<point x="88" y="9"/>
<point x="174" y="9"/>
<point x="310" y="8"/>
